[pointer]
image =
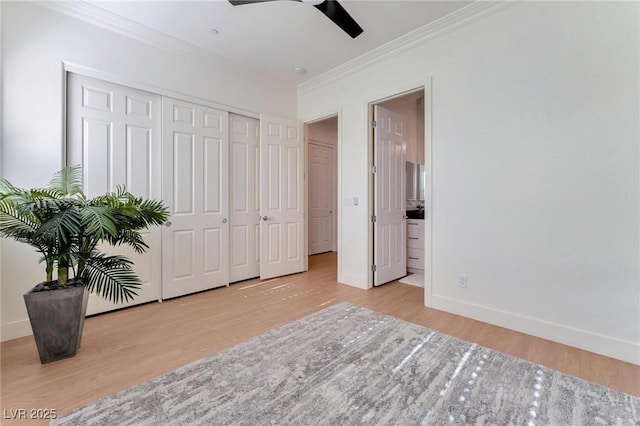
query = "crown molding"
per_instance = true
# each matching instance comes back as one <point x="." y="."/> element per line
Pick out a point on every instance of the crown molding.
<point x="459" y="18"/>
<point x="96" y="16"/>
<point x="93" y="15"/>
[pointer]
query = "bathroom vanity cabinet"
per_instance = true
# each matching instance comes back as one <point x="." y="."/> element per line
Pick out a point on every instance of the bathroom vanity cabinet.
<point x="415" y="245"/>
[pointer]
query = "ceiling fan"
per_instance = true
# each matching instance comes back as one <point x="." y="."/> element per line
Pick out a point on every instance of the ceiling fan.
<point x="330" y="8"/>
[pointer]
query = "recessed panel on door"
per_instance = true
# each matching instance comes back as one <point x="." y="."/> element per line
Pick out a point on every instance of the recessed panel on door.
<point x="138" y="160"/>
<point x="183" y="173"/>
<point x="95" y="98"/>
<point x="293" y="238"/>
<point x="293" y="170"/>
<point x="97" y="139"/>
<point x="213" y="177"/>
<point x="212" y="248"/>
<point x="182" y="256"/>
<point x="275" y="248"/>
<point x="240" y="194"/>
<point x="141" y="107"/>
<point x="240" y="250"/>
<point x="183" y="115"/>
<point x="274" y="172"/>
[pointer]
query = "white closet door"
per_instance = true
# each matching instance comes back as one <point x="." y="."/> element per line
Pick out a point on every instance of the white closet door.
<point x="195" y="186"/>
<point x="115" y="133"/>
<point x="244" y="221"/>
<point x="390" y="231"/>
<point x="282" y="248"/>
<point x="321" y="195"/>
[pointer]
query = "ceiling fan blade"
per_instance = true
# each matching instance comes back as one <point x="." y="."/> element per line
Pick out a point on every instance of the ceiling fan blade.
<point x="243" y="2"/>
<point x="334" y="11"/>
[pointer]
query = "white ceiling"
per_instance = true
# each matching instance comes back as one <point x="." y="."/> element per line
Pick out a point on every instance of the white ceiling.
<point x="270" y="39"/>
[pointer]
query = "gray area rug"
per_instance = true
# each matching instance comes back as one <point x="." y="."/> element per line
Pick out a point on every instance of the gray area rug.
<point x="348" y="365"/>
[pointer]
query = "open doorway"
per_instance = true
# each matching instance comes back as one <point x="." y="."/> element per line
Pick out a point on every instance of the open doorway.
<point x="400" y="229"/>
<point x="322" y="158"/>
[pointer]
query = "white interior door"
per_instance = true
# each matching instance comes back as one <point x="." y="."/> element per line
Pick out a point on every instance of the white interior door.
<point x="114" y="132"/>
<point x="321" y="198"/>
<point x="244" y="222"/>
<point x="195" y="186"/>
<point x="390" y="232"/>
<point x="282" y="249"/>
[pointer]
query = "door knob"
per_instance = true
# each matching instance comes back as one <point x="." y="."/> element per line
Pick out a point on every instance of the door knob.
<point x="265" y="218"/>
<point x="167" y="224"/>
<point x="224" y="220"/>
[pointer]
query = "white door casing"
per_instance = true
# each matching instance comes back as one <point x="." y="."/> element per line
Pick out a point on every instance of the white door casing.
<point x="115" y="133"/>
<point x="321" y="198"/>
<point x="282" y="249"/>
<point x="244" y="220"/>
<point x="390" y="230"/>
<point x="195" y="187"/>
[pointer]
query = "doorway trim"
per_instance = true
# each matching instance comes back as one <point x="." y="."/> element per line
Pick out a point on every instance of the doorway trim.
<point x="426" y="87"/>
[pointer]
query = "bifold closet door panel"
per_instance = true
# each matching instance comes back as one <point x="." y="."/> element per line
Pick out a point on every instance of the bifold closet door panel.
<point x="114" y="132"/>
<point x="282" y="237"/>
<point x="195" y="187"/>
<point x="244" y="220"/>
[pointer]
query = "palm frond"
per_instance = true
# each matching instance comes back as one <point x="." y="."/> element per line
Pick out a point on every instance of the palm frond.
<point x="98" y="221"/>
<point x="11" y="216"/>
<point x="115" y="199"/>
<point x="15" y="226"/>
<point x="61" y="228"/>
<point x="21" y="226"/>
<point x="10" y="193"/>
<point x="45" y="193"/>
<point x="153" y="212"/>
<point x="45" y="207"/>
<point x="111" y="277"/>
<point x="68" y="181"/>
<point x="131" y="238"/>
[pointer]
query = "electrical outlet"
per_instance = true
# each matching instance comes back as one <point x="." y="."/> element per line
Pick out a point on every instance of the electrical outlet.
<point x="462" y="281"/>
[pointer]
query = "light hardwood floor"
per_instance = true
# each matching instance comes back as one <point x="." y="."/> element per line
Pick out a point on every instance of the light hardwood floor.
<point x="123" y="348"/>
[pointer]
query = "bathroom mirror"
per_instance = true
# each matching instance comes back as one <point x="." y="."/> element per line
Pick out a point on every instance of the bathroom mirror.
<point x="411" y="181"/>
<point x="416" y="179"/>
<point x="421" y="179"/>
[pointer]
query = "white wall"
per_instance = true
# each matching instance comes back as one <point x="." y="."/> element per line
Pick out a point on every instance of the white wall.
<point x="535" y="168"/>
<point x="35" y="42"/>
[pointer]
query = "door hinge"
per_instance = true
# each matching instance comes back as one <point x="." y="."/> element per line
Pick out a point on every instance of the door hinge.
<point x="373" y="268"/>
<point x="374" y="169"/>
<point x="373" y="218"/>
<point x="373" y="123"/>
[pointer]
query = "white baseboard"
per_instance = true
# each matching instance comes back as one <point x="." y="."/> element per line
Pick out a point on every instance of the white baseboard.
<point x="15" y="329"/>
<point x="582" y="339"/>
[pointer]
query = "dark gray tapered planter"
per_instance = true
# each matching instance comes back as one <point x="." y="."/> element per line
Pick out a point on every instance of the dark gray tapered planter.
<point x="57" y="320"/>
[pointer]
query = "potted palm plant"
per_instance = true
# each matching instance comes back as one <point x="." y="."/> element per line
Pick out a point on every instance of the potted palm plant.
<point x="67" y="229"/>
